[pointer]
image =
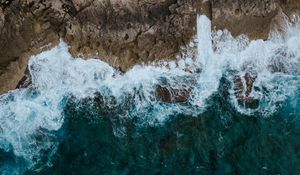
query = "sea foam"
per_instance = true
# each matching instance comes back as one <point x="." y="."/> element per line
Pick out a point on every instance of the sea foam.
<point x="25" y="114"/>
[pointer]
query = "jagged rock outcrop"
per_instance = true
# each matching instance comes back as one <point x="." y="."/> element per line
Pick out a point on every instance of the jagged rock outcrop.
<point x="121" y="32"/>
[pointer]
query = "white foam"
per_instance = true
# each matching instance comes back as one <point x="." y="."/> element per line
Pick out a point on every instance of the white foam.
<point x="211" y="64"/>
<point x="55" y="75"/>
<point x="275" y="62"/>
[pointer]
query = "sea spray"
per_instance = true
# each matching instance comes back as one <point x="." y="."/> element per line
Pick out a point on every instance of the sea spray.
<point x="211" y="65"/>
<point x="30" y="117"/>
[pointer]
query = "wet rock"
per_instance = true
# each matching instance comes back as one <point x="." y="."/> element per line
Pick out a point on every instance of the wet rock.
<point x="122" y="33"/>
<point x="171" y="95"/>
<point x="26" y="81"/>
<point x="243" y="87"/>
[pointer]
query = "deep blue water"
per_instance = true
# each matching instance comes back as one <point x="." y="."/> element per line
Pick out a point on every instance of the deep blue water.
<point x="219" y="141"/>
<point x="84" y="117"/>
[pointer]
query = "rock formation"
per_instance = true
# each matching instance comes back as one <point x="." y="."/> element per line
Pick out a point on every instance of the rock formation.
<point x="254" y="18"/>
<point x="171" y="95"/>
<point x="122" y="32"/>
<point x="243" y="87"/>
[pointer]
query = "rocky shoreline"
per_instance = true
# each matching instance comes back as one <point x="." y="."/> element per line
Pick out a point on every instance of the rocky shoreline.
<point x="123" y="33"/>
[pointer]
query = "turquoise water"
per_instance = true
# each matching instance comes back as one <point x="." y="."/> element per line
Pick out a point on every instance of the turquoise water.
<point x="219" y="141"/>
<point x="83" y="117"/>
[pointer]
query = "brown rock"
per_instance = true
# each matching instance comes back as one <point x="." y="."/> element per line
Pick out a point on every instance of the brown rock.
<point x="171" y="95"/>
<point x="253" y="18"/>
<point x="243" y="87"/>
<point x="122" y="32"/>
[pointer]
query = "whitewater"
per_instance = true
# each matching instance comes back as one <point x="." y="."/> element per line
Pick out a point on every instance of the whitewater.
<point x="29" y="116"/>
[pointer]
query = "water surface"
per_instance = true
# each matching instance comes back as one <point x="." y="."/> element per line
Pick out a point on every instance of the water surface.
<point x="84" y="117"/>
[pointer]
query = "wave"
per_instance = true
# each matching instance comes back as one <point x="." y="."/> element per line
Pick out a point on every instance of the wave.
<point x="262" y="73"/>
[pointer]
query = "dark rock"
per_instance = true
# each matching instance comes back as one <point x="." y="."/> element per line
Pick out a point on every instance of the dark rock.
<point x="26" y="81"/>
<point x="171" y="95"/>
<point x="243" y="87"/>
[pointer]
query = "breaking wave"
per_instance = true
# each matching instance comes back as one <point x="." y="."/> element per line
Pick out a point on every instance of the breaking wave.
<point x="29" y="116"/>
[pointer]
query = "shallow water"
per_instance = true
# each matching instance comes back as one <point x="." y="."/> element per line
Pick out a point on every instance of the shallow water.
<point x="84" y="117"/>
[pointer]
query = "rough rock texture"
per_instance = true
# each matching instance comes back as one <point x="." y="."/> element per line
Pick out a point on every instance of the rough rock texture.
<point x="170" y="95"/>
<point x="254" y="18"/>
<point x="122" y="32"/>
<point x="125" y="33"/>
<point x="243" y="87"/>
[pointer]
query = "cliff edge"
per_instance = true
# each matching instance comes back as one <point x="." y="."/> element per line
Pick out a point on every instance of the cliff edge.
<point x="122" y="32"/>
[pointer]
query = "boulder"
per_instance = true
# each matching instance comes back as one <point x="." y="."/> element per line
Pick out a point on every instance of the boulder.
<point x="172" y="95"/>
<point x="243" y="87"/>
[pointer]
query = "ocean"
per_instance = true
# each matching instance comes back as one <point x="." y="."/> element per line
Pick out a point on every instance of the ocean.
<point x="241" y="116"/>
